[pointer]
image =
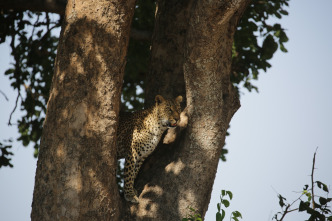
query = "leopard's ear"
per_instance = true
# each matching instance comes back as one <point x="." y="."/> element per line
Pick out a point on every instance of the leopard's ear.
<point x="179" y="99"/>
<point x="159" y="99"/>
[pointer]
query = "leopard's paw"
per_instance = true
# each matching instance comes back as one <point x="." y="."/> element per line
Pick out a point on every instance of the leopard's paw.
<point x="132" y="199"/>
<point x="131" y="196"/>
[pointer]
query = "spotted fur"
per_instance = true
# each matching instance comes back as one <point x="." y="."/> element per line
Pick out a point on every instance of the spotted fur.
<point x="138" y="135"/>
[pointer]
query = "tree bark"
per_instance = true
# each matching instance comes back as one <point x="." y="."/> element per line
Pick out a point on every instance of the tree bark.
<point x="167" y="55"/>
<point x="76" y="169"/>
<point x="191" y="55"/>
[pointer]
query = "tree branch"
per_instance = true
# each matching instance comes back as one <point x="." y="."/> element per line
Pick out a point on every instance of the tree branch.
<point x="58" y="6"/>
<point x="54" y="6"/>
<point x="11" y="114"/>
<point x="312" y="179"/>
<point x="285" y="212"/>
<point x="4" y="95"/>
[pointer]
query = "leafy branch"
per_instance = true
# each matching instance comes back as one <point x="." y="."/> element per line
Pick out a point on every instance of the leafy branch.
<point x="235" y="215"/>
<point x="220" y="215"/>
<point x="317" y="211"/>
<point x="5" y="154"/>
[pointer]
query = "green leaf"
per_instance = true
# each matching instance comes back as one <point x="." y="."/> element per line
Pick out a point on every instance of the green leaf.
<point x="237" y="214"/>
<point x="223" y="192"/>
<point x="218" y="217"/>
<point x="230" y="194"/>
<point x="281" y="200"/>
<point x="282" y="48"/>
<point x="9" y="71"/>
<point x="223" y="214"/>
<point x="322" y="186"/>
<point x="192" y="209"/>
<point x="218" y="206"/>
<point x="322" y="200"/>
<point x="269" y="47"/>
<point x="225" y="202"/>
<point x="284" y="12"/>
<point x="283" y="37"/>
<point x="304" y="206"/>
<point x="277" y="15"/>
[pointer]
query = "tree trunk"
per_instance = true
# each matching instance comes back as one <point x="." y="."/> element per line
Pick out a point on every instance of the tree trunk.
<point x="76" y="170"/>
<point x="191" y="54"/>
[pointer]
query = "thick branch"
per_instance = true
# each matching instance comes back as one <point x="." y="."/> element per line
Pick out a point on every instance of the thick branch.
<point x="54" y="6"/>
<point x="58" y="6"/>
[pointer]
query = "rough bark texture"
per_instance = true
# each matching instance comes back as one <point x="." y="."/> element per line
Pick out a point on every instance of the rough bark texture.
<point x="166" y="67"/>
<point x="211" y="99"/>
<point x="75" y="178"/>
<point x="198" y="46"/>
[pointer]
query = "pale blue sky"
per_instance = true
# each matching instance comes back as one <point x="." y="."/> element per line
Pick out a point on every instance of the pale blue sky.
<point x="273" y="135"/>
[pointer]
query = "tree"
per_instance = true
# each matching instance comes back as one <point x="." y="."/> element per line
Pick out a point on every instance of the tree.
<point x="192" y="54"/>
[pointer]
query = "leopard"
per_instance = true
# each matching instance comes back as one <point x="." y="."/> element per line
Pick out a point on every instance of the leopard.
<point x="138" y="135"/>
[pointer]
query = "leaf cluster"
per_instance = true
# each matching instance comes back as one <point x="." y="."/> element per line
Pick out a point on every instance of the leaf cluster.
<point x="193" y="216"/>
<point x="138" y="56"/>
<point x="5" y="154"/>
<point x="256" y="41"/>
<point x="33" y="50"/>
<point x="220" y="215"/>
<point x="317" y="211"/>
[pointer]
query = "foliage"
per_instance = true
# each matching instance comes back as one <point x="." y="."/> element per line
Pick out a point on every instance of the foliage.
<point x="250" y="56"/>
<point x="317" y="211"/>
<point x="138" y="56"/>
<point x="34" y="36"/>
<point x="235" y="215"/>
<point x="5" y="154"/>
<point x="34" y="50"/>
<point x="194" y="216"/>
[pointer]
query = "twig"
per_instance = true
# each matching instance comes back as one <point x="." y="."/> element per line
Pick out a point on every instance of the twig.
<point x="292" y="210"/>
<point x="286" y="211"/>
<point x="4" y="95"/>
<point x="312" y="180"/>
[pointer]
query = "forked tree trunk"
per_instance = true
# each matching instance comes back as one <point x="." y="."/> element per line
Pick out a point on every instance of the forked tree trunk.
<point x="191" y="52"/>
<point x="191" y="56"/>
<point x="75" y="178"/>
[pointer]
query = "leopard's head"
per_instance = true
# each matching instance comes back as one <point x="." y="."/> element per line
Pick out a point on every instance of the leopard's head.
<point x="168" y="110"/>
